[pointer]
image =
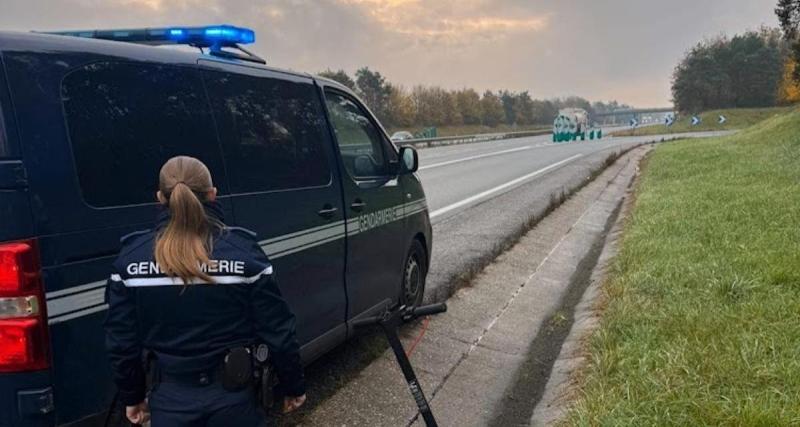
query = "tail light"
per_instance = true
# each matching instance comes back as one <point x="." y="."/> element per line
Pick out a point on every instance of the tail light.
<point x="23" y="320"/>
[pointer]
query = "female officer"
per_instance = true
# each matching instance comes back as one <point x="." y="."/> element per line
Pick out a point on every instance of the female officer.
<point x="196" y="296"/>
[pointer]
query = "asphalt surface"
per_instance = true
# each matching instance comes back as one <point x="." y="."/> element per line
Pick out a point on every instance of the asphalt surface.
<point x="454" y="175"/>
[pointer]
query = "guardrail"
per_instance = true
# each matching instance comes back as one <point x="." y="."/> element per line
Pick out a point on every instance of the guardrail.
<point x="468" y="139"/>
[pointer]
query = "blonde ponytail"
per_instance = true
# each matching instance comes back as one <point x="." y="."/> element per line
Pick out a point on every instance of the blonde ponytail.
<point x="184" y="245"/>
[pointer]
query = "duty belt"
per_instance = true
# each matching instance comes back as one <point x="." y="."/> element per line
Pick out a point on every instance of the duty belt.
<point x="201" y="378"/>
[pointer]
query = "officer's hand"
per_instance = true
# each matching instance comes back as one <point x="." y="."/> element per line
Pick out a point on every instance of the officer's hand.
<point x="292" y="403"/>
<point x="138" y="414"/>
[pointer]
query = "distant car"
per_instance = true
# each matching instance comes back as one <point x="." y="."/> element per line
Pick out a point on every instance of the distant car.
<point x="402" y="136"/>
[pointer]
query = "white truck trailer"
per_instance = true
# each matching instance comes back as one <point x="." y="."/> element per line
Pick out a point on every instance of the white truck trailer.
<point x="573" y="123"/>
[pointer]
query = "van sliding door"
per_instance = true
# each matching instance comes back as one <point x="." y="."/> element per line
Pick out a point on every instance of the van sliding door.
<point x="280" y="163"/>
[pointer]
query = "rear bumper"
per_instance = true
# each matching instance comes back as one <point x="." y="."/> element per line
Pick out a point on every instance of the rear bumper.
<point x="26" y="400"/>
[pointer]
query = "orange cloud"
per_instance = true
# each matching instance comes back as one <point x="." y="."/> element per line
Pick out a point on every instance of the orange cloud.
<point x="425" y="20"/>
<point x="162" y="5"/>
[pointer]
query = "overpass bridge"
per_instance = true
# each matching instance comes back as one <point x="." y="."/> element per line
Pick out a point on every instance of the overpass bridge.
<point x="642" y="115"/>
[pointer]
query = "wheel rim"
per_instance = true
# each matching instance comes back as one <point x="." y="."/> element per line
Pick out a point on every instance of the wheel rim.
<point x="411" y="280"/>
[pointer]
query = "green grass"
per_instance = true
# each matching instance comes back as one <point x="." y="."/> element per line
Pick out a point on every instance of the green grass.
<point x="472" y="129"/>
<point x="738" y="118"/>
<point x="702" y="317"/>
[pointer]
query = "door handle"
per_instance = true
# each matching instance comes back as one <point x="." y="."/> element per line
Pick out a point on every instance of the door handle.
<point x="358" y="205"/>
<point x="327" y="211"/>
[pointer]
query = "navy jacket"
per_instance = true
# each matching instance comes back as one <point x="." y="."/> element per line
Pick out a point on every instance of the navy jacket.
<point x="189" y="328"/>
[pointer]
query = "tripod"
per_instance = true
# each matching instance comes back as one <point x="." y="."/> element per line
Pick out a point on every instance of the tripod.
<point x="390" y="323"/>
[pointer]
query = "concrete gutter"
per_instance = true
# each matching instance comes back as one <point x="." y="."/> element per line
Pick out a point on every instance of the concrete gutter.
<point x="561" y="389"/>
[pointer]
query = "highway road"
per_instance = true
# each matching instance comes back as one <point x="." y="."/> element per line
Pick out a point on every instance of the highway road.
<point x="457" y="177"/>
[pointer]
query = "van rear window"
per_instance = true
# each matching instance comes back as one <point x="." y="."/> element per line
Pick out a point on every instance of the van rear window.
<point x="126" y="119"/>
<point x="272" y="131"/>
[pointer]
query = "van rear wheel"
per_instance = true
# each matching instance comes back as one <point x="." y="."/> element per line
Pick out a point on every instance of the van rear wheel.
<point x="414" y="271"/>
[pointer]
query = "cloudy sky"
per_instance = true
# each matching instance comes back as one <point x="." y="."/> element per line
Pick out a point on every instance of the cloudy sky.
<point x="602" y="50"/>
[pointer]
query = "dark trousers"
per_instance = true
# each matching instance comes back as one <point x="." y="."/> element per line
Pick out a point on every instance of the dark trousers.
<point x="181" y="405"/>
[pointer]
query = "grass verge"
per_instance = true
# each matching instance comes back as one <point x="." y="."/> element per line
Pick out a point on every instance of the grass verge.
<point x="701" y="325"/>
<point x="737" y="118"/>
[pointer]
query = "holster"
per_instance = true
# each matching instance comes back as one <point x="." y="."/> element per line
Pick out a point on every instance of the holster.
<point x="237" y="369"/>
<point x="263" y="374"/>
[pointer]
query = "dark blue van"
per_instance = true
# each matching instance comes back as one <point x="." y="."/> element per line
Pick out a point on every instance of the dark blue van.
<point x="85" y="125"/>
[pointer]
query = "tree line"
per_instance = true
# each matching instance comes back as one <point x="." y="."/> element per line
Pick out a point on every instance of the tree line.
<point x="754" y="69"/>
<point x="743" y="71"/>
<point x="422" y="106"/>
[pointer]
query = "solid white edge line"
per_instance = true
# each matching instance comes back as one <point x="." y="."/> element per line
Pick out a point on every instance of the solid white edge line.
<point x="491" y="191"/>
<point x="479" y="156"/>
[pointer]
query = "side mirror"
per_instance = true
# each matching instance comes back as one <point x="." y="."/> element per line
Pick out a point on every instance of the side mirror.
<point x="409" y="160"/>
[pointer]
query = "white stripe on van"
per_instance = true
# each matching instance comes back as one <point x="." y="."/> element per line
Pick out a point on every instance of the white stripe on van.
<point x="76" y="289"/>
<point x="75" y="315"/>
<point x="301" y="232"/>
<point x="308" y="246"/>
<point x="303" y="240"/>
<point x="83" y="300"/>
<point x="60" y="306"/>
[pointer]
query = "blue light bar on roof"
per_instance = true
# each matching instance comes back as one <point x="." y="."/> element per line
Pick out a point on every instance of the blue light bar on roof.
<point x="230" y="34"/>
<point x="214" y="36"/>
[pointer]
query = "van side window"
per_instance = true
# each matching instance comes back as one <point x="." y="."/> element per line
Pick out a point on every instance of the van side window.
<point x="359" y="140"/>
<point x="126" y="119"/>
<point x="4" y="149"/>
<point x="273" y="132"/>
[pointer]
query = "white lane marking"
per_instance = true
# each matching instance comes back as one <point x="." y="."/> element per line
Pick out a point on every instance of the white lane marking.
<point x="499" y="188"/>
<point x="479" y="156"/>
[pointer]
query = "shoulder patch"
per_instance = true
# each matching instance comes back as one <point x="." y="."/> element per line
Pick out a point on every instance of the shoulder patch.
<point x="129" y="236"/>
<point x="248" y="233"/>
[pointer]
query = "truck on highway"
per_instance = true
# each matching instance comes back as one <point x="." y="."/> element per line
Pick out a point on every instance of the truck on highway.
<point x="573" y="123"/>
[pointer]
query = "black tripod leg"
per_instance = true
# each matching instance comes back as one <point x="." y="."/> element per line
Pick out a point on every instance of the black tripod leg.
<point x="408" y="372"/>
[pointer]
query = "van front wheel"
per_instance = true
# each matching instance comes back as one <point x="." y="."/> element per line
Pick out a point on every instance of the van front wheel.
<point x="414" y="272"/>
